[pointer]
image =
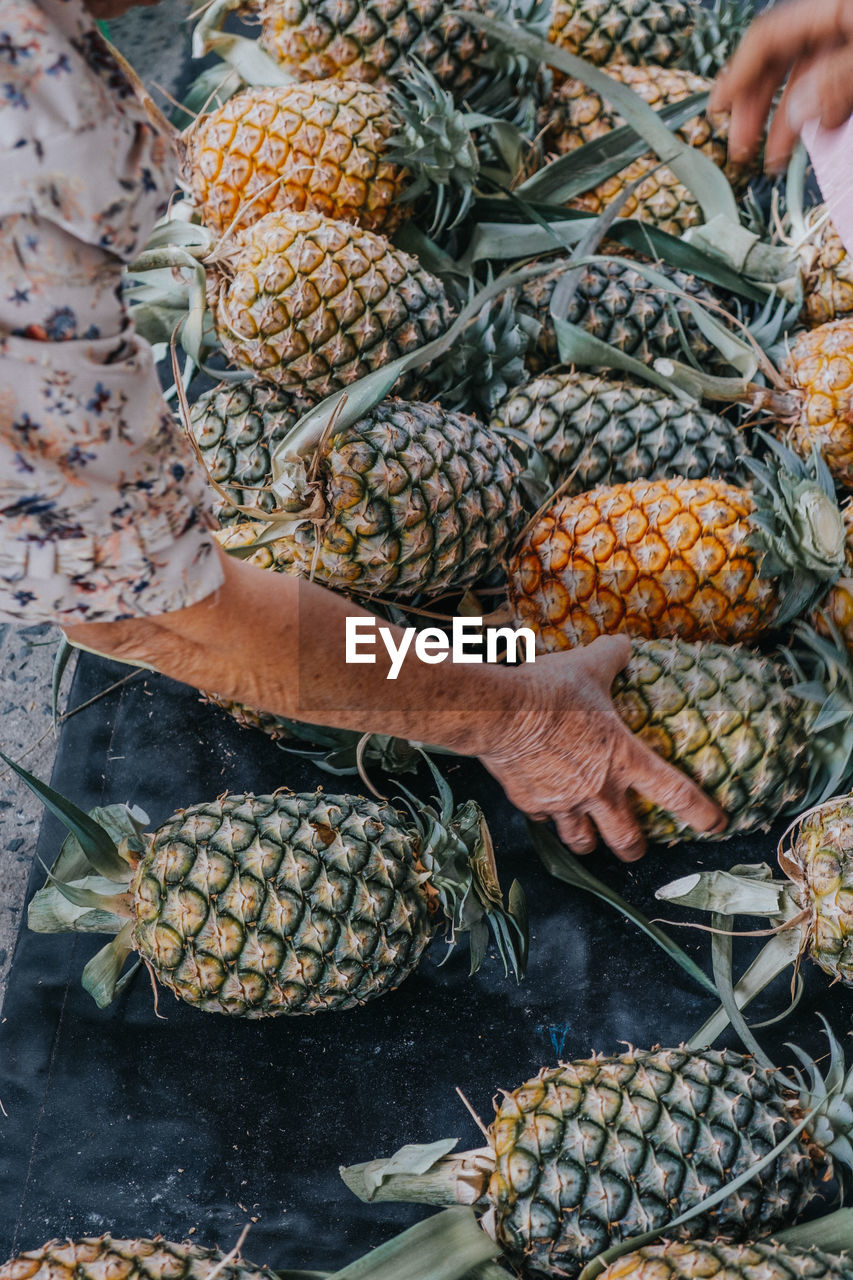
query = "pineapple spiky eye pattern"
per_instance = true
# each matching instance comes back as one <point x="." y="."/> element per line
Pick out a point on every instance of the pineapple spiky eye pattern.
<point x="724" y="714"/>
<point x="321" y="147"/>
<point x="819" y="860"/>
<point x="371" y="39"/>
<point x="94" y="1258"/>
<point x="599" y="430"/>
<point x="591" y="1153"/>
<point x="828" y="277"/>
<point x="757" y="1261"/>
<point x="651" y="558"/>
<point x="615" y="302"/>
<point x="819" y="367"/>
<point x="418" y="498"/>
<point x="312" y="303"/>
<point x="634" y="31"/>
<point x="236" y="429"/>
<point x="256" y="905"/>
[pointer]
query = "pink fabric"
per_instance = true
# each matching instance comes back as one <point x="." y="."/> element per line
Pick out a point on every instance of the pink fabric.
<point x="831" y="152"/>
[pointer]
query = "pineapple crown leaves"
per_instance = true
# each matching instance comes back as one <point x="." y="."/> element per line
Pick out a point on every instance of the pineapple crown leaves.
<point x="829" y="1095"/>
<point x="512" y="82"/>
<point x="799" y="526"/>
<point x="715" y="34"/>
<point x="434" y="141"/>
<point x="825" y="680"/>
<point x="457" y="852"/>
<point x="487" y="361"/>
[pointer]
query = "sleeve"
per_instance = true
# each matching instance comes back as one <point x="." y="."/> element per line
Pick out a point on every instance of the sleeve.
<point x="103" y="504"/>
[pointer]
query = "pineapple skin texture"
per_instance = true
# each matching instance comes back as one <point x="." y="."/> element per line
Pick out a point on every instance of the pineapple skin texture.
<point x="756" y="1261"/>
<point x="822" y="868"/>
<point x="820" y="367"/>
<point x="418" y="499"/>
<point x="313" y="303"/>
<point x="318" y="147"/>
<point x="590" y="1153"/>
<point x="632" y="31"/>
<point x="574" y="115"/>
<point x="618" y="304"/>
<point x="94" y="1258"/>
<point x="263" y="905"/>
<point x="828" y="278"/>
<point x="596" y="430"/>
<point x="236" y="427"/>
<point x="648" y="558"/>
<point x="371" y="40"/>
<point x="724" y="714"/>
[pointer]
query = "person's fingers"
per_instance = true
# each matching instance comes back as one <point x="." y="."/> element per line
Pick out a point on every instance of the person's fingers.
<point x="618" y="826"/>
<point x="787" y="122"/>
<point x="776" y="39"/>
<point x="748" y="119"/>
<point x="576" y="830"/>
<point x="605" y="657"/>
<point x="668" y="787"/>
<point x="824" y="92"/>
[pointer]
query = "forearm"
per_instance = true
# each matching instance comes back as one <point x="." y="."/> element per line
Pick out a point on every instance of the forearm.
<point x="279" y="643"/>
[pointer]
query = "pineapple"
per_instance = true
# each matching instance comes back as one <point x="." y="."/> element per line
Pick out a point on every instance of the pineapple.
<point x="236" y="428"/>
<point x="817" y="856"/>
<point x="372" y="40"/>
<point x="256" y="906"/>
<point x="449" y="1245"/>
<point x="593" y="1152"/>
<point x="827" y="275"/>
<point x="595" y="430"/>
<point x="312" y="303"/>
<point x="415" y="498"/>
<point x="618" y="304"/>
<point x="814" y="401"/>
<point x="761" y="1260"/>
<point x="698" y="559"/>
<point x="633" y="31"/>
<point x="341" y="148"/>
<point x="573" y="115"/>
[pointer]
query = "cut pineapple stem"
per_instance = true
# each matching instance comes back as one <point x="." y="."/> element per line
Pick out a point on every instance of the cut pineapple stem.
<point x="413" y="1175"/>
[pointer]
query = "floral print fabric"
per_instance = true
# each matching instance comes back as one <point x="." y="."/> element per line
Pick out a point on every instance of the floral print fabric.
<point x="103" y="505"/>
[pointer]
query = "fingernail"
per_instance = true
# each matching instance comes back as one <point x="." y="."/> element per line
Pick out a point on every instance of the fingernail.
<point x="802" y="102"/>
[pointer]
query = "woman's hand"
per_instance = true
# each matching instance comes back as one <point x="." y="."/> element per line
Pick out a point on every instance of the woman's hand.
<point x="547" y="730"/>
<point x="569" y="757"/>
<point x="811" y="43"/>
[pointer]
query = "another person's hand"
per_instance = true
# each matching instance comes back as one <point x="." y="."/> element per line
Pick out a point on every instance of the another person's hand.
<point x="570" y="757"/>
<point x="809" y="42"/>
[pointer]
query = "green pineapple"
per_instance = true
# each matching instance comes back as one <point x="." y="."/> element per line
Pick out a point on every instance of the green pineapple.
<point x="287" y="903"/>
<point x="596" y="429"/>
<point x="593" y="1152"/>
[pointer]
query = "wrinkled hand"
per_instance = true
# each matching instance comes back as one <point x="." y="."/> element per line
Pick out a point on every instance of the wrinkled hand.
<point x="569" y="756"/>
<point x="811" y="43"/>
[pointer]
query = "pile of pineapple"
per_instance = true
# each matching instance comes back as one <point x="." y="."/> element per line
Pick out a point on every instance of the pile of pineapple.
<point x="455" y="217"/>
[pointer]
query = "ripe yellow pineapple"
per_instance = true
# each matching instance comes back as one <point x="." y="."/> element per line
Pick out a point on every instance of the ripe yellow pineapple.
<point x="573" y="115"/>
<point x="701" y="559"/>
<point x="827" y="275"/>
<point x="815" y="397"/>
<point x="636" y="31"/>
<point x="337" y="147"/>
<point x="312" y="303"/>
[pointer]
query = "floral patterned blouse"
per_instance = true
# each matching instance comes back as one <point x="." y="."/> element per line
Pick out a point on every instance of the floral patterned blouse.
<point x="103" y="507"/>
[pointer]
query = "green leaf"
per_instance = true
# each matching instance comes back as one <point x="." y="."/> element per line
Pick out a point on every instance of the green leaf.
<point x="94" y="841"/>
<point x="700" y="175"/>
<point x="833" y="1233"/>
<point x="101" y="974"/>
<point x="780" y="953"/>
<point x="561" y="863"/>
<point x="721" y="958"/>
<point x="442" y="1247"/>
<point x="60" y="663"/>
<point x="594" y="162"/>
<point x="578" y="347"/>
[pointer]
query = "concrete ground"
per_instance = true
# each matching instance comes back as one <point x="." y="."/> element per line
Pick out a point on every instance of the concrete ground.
<point x="155" y="41"/>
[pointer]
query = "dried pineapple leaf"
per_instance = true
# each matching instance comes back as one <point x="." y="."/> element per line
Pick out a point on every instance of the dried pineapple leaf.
<point x="754" y="895"/>
<point x="101" y="974"/>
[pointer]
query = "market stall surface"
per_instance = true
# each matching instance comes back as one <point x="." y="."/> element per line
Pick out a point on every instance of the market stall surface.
<point x="141" y="1120"/>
